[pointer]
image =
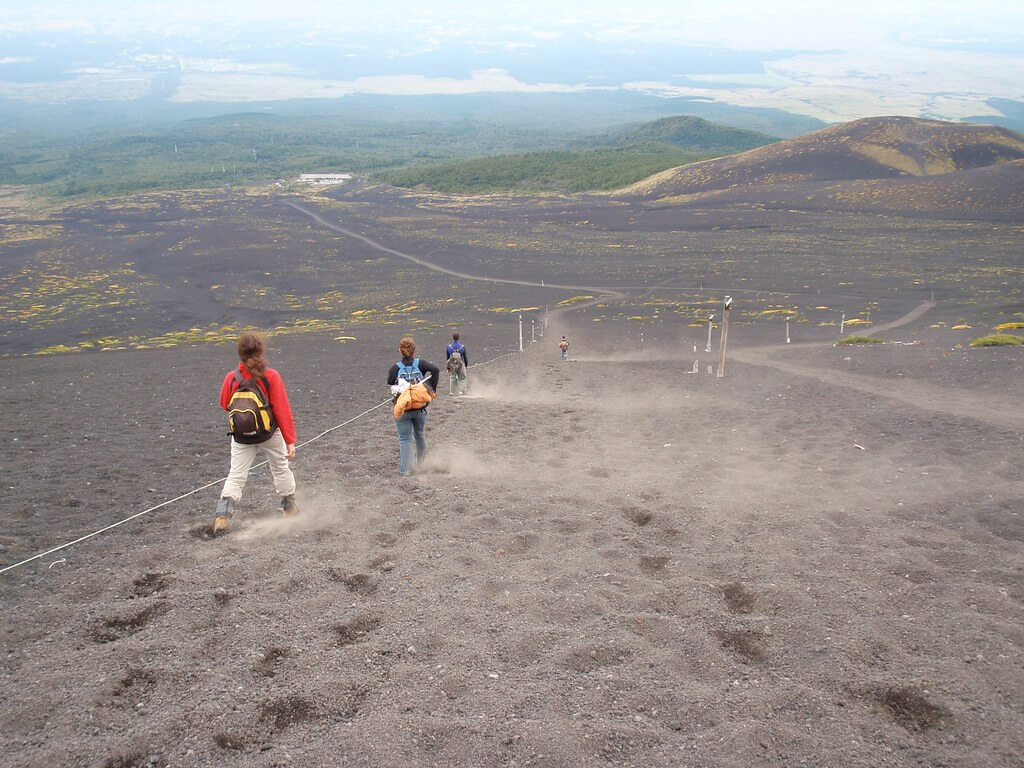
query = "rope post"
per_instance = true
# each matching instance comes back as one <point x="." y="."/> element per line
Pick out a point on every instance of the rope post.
<point x="520" y="333"/>
<point x="707" y="348"/>
<point x="725" y="335"/>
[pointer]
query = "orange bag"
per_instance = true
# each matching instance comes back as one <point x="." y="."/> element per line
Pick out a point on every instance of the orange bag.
<point x="413" y="398"/>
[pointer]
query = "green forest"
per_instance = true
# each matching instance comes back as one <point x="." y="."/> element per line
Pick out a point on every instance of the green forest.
<point x="417" y="148"/>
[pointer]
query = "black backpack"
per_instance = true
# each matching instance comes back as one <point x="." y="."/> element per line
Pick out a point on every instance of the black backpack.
<point x="250" y="417"/>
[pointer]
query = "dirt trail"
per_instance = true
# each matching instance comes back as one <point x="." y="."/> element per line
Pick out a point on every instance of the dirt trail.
<point x="918" y="395"/>
<point x="592" y="569"/>
<point x="437" y="267"/>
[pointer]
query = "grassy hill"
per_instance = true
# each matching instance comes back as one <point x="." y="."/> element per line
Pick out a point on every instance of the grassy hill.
<point x="691" y="133"/>
<point x="601" y="162"/>
<point x="872" y="148"/>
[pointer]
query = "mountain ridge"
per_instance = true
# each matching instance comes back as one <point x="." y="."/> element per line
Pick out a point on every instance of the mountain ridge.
<point x="860" y="150"/>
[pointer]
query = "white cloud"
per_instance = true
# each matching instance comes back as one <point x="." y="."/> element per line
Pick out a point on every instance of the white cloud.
<point x="950" y="85"/>
<point x="205" y="86"/>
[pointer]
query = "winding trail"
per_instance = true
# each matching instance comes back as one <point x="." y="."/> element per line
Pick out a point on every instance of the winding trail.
<point x="915" y="394"/>
<point x="617" y="291"/>
<point x="437" y="267"/>
<point x="919" y="395"/>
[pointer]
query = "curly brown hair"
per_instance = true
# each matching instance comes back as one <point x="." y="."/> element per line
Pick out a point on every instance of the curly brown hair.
<point x="250" y="352"/>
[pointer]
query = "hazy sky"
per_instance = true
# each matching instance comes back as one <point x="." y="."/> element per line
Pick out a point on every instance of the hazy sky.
<point x="932" y="58"/>
<point x="808" y="24"/>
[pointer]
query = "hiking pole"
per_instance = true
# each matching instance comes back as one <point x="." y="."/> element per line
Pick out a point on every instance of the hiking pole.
<point x="725" y="336"/>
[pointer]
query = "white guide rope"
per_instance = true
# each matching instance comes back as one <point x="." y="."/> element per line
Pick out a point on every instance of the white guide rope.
<point x="211" y="483"/>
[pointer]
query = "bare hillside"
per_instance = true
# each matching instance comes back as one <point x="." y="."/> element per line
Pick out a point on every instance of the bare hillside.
<point x="868" y="149"/>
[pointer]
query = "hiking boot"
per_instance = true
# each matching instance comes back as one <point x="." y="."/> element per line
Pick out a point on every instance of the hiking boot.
<point x="288" y="505"/>
<point x="224" y="509"/>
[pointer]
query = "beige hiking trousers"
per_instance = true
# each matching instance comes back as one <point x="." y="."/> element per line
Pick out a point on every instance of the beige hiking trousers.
<point x="242" y="458"/>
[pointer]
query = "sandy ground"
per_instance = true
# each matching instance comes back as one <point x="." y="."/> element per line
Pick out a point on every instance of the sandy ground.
<point x="815" y="560"/>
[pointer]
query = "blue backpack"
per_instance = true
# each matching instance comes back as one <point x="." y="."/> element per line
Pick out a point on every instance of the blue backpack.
<point x="410" y="373"/>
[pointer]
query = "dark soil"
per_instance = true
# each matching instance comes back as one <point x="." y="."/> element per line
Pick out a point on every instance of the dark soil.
<point x="815" y="559"/>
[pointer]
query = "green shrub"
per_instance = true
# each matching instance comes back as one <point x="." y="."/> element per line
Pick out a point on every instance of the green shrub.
<point x="860" y="340"/>
<point x="998" y="340"/>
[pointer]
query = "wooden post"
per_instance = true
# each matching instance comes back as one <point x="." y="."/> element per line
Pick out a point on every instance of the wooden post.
<point x="725" y="336"/>
<point x="520" y="333"/>
<point x="696" y="366"/>
<point x="707" y="348"/>
<point x="533" y="331"/>
<point x="787" y="330"/>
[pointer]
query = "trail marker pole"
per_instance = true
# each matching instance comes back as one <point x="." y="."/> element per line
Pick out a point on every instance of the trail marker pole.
<point x="725" y="336"/>
<point x="520" y="333"/>
<point x="787" y="330"/>
<point x="708" y="347"/>
<point x="533" y="331"/>
<point x="842" y="324"/>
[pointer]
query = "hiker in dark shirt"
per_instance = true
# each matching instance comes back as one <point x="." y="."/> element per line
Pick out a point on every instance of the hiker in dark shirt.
<point x="411" y="423"/>
<point x="458" y="361"/>
<point x="458" y="346"/>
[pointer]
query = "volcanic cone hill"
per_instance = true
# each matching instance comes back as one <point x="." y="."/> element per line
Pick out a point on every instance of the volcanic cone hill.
<point x="687" y="132"/>
<point x="873" y="149"/>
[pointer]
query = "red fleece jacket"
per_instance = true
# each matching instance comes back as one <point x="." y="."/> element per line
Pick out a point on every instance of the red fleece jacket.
<point x="277" y="395"/>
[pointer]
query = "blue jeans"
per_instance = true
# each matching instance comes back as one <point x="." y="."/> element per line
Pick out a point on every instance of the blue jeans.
<point x="411" y="424"/>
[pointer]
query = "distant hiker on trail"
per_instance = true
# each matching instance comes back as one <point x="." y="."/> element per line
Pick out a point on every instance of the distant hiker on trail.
<point x="414" y="384"/>
<point x="457" y="381"/>
<point x="564" y="346"/>
<point x="259" y="419"/>
<point x="458" y="346"/>
<point x="458" y="361"/>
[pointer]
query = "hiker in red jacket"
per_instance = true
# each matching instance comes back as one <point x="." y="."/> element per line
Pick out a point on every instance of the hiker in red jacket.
<point x="275" y="436"/>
